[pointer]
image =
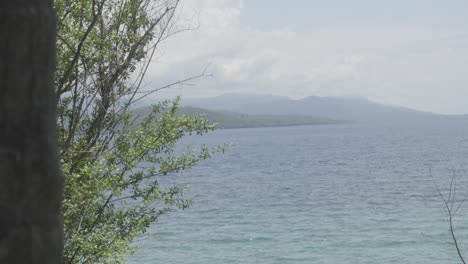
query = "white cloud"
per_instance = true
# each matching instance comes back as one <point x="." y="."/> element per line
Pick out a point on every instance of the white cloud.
<point x="398" y="64"/>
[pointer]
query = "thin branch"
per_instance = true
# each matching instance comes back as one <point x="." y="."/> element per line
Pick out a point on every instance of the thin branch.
<point x="203" y="74"/>
<point x="450" y="213"/>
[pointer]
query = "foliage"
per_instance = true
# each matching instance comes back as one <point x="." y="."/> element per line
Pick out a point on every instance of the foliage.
<point x="111" y="162"/>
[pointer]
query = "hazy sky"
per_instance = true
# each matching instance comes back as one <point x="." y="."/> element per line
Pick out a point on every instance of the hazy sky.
<point x="411" y="53"/>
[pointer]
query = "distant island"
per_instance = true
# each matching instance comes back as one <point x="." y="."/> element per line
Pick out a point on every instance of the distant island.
<point x="250" y="111"/>
<point x="228" y="119"/>
<point x="344" y="108"/>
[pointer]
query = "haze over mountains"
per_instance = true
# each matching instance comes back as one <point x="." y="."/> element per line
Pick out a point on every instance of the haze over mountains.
<point x="351" y="109"/>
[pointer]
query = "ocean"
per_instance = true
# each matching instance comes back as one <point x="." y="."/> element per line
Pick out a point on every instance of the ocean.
<point x="349" y="193"/>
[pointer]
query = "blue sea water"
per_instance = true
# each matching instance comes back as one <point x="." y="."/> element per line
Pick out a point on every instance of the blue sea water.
<point x="347" y="193"/>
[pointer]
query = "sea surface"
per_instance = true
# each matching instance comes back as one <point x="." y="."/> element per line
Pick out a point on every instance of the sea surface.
<point x="351" y="193"/>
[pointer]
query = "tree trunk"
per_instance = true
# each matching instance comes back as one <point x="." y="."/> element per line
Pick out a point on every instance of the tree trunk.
<point x="31" y="182"/>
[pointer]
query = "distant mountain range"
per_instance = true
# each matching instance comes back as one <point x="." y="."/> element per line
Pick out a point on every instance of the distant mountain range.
<point x="352" y="109"/>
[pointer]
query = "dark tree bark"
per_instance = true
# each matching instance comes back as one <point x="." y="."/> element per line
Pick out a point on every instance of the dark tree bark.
<point x="31" y="182"/>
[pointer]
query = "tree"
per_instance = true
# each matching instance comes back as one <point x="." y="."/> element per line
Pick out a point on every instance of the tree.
<point x="112" y="159"/>
<point x="31" y="182"/>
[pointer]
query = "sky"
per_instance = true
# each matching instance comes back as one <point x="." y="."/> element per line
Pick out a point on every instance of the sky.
<point x="411" y="53"/>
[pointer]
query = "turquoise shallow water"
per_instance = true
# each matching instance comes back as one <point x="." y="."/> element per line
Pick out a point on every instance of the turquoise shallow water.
<point x="318" y="194"/>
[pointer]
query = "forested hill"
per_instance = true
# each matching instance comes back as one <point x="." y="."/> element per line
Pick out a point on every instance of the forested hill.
<point x="228" y="119"/>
